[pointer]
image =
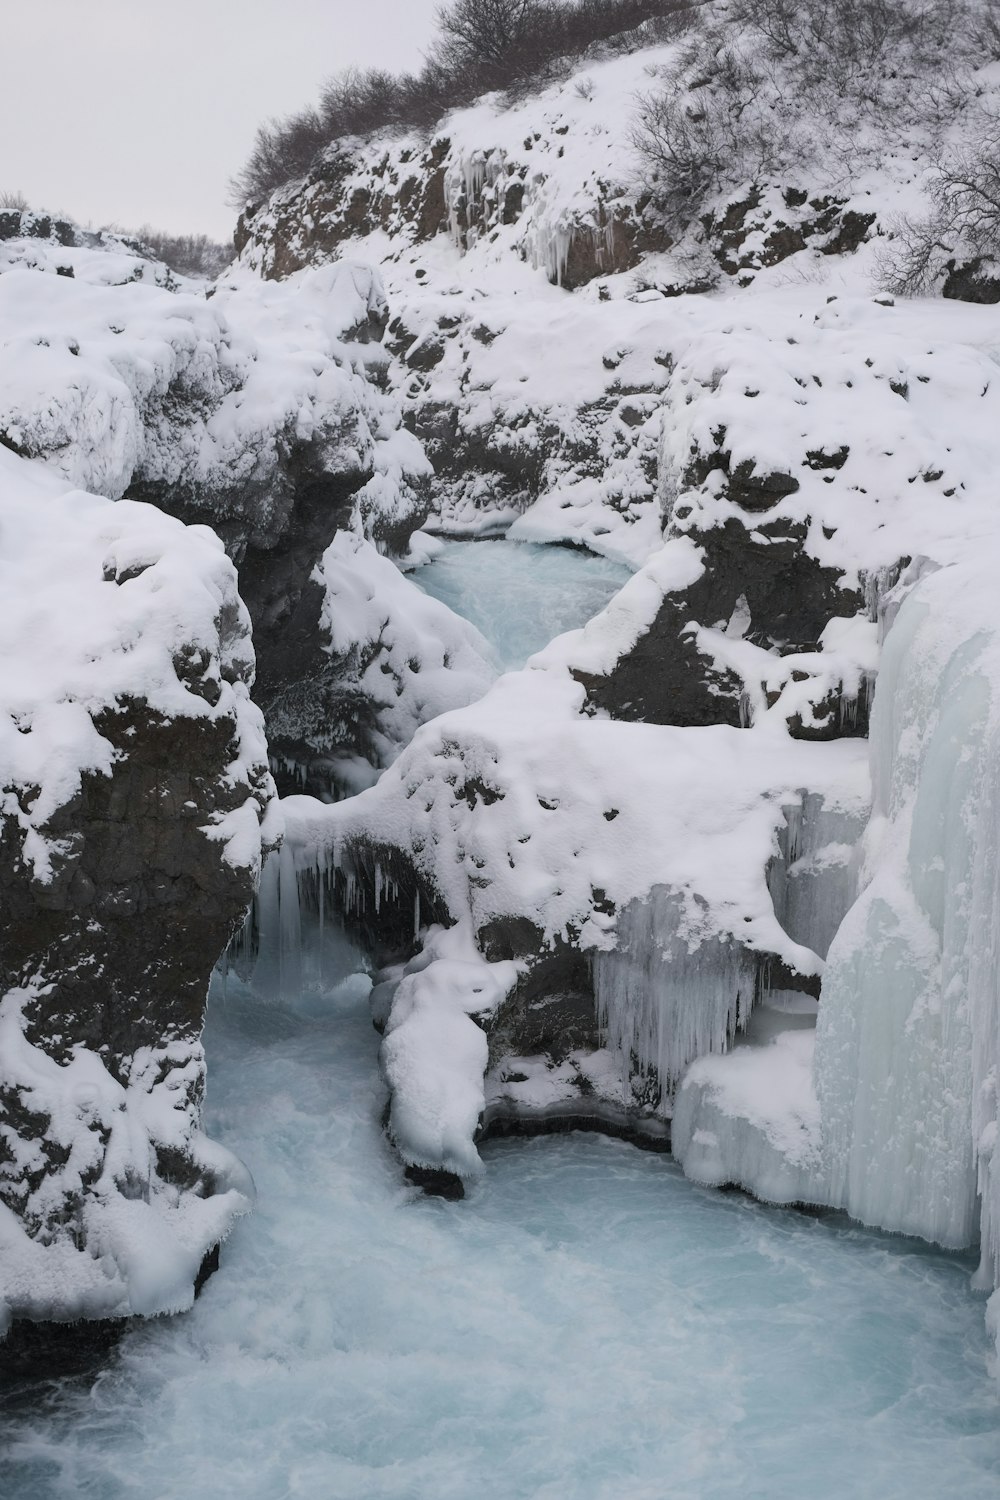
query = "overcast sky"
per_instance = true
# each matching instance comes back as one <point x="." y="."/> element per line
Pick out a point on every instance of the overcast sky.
<point x="139" y="111"/>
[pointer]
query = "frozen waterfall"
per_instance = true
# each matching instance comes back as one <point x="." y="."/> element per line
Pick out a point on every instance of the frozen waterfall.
<point x="907" y="1043"/>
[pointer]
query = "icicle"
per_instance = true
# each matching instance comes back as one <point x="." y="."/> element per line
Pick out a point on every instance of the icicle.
<point x="416" y="915"/>
<point x="663" y="998"/>
<point x="291" y="923"/>
<point x="813" y="881"/>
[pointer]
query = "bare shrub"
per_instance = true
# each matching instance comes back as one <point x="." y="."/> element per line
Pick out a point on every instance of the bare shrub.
<point x="964" y="221"/>
<point x="986" y="29"/>
<point x="484" y="31"/>
<point x="187" y="254"/>
<point x="481" y="45"/>
<point x="726" y="126"/>
<point x="13" y="202"/>
<point x="759" y="84"/>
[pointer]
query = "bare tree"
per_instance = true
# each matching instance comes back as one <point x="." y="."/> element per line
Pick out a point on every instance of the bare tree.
<point x="484" y="31"/>
<point x="964" y="222"/>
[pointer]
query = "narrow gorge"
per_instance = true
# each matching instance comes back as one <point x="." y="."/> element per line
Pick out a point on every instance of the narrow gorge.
<point x="499" y="790"/>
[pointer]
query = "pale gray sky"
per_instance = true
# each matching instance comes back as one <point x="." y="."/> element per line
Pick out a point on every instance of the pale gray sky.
<point x="139" y="111"/>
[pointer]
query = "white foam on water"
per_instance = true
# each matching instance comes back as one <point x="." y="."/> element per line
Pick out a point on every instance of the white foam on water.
<point x="587" y="1325"/>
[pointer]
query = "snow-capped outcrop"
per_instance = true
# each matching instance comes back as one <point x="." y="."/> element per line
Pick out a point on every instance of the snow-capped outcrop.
<point x="135" y="807"/>
<point x="254" y="407"/>
<point x="384" y="659"/>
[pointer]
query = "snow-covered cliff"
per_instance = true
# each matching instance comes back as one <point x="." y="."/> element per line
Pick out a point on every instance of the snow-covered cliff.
<point x="135" y="809"/>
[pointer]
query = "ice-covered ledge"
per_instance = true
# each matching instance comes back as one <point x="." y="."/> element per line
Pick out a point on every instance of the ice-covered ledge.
<point x="135" y="803"/>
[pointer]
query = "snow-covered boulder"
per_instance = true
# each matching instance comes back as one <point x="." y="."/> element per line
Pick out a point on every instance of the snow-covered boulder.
<point x="135" y="806"/>
<point x="381" y="660"/>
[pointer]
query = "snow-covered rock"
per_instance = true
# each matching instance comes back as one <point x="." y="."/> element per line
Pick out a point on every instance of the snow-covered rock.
<point x="255" y="407"/>
<point x="384" y="658"/>
<point x="135" y="808"/>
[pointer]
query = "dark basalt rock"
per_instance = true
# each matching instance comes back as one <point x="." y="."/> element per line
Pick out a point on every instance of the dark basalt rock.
<point x="665" y="679"/>
<point x="823" y="222"/>
<point x="436" y="1182"/>
<point x="308" y="223"/>
<point x="502" y="1120"/>
<point x="976" y="280"/>
<point x="133" y="868"/>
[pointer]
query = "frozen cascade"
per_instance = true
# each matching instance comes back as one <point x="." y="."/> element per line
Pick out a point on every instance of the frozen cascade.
<point x="908" y="1037"/>
<point x="668" y="994"/>
<point x="293" y="943"/>
<point x="814" y="878"/>
<point x="665" y="995"/>
<point x="895" y="1116"/>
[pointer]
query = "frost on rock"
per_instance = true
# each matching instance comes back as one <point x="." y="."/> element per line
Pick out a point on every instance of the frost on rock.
<point x="135" y="804"/>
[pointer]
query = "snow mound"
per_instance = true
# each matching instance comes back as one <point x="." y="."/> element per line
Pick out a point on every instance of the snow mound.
<point x="751" y="1119"/>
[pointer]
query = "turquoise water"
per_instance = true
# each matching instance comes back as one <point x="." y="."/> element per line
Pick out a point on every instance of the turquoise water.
<point x="521" y="594"/>
<point x="587" y="1325"/>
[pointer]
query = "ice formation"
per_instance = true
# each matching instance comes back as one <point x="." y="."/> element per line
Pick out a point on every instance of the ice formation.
<point x="908" y="1040"/>
<point x="895" y="1119"/>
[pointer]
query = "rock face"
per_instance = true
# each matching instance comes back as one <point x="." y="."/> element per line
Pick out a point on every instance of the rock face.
<point x="135" y="806"/>
<point x="258" y="409"/>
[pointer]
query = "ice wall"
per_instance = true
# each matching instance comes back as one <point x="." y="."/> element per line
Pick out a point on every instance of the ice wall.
<point x="907" y="1044"/>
